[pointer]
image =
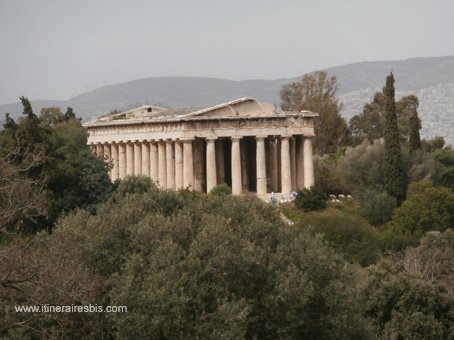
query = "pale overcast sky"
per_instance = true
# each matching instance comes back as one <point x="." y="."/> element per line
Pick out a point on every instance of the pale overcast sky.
<point x="55" y="49"/>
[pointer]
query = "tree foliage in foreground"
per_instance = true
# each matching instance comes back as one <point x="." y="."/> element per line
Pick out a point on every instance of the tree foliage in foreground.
<point x="206" y="266"/>
<point x="47" y="169"/>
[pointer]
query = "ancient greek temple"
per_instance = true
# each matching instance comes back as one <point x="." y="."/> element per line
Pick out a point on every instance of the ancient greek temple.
<point x="244" y="143"/>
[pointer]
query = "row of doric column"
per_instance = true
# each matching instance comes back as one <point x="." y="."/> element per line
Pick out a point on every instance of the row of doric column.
<point x="284" y="162"/>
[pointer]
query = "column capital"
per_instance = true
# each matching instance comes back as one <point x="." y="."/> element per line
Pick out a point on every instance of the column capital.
<point x="286" y="136"/>
<point x="260" y="137"/>
<point x="211" y="138"/>
<point x="235" y="138"/>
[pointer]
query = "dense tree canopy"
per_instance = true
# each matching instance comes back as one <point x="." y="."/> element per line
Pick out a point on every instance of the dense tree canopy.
<point x="47" y="169"/>
<point x="316" y="92"/>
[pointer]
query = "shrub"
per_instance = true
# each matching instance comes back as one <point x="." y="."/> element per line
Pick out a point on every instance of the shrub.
<point x="311" y="199"/>
<point x="135" y="185"/>
<point x="348" y="234"/>
<point x="377" y="206"/>
<point x="221" y="189"/>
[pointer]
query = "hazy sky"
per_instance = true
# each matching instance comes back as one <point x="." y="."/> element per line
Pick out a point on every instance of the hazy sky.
<point x="58" y="49"/>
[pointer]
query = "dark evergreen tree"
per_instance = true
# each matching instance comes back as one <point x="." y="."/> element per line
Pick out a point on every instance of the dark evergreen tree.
<point x="415" y="126"/>
<point x="393" y="172"/>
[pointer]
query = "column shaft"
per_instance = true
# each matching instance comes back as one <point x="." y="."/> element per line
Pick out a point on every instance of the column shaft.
<point x="274" y="166"/>
<point x="145" y="158"/>
<point x="293" y="161"/>
<point x="121" y="160"/>
<point x="236" y="167"/>
<point x="308" y="163"/>
<point x="170" y="159"/>
<point x="300" y="163"/>
<point x="286" y="178"/>
<point x="179" y="165"/>
<point x="188" y="165"/>
<point x="154" y="168"/>
<point x="114" y="156"/>
<point x="137" y="159"/>
<point x="162" y="175"/>
<point x="220" y="162"/>
<point x="129" y="159"/>
<point x="211" y="164"/>
<point x="261" y="166"/>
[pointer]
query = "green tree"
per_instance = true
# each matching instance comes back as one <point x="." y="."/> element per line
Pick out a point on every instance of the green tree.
<point x="349" y="234"/>
<point x="214" y="266"/>
<point x="395" y="184"/>
<point x="316" y="92"/>
<point x="377" y="206"/>
<point x="414" y="138"/>
<point x="404" y="306"/>
<point x="52" y="160"/>
<point x="370" y="123"/>
<point x="444" y="168"/>
<point x="427" y="208"/>
<point x="311" y="199"/>
<point x="433" y="260"/>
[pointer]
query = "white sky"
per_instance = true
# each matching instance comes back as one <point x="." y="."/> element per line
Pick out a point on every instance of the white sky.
<point x="55" y="49"/>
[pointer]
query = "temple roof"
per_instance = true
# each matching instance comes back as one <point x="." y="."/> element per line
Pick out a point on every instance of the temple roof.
<point x="245" y="108"/>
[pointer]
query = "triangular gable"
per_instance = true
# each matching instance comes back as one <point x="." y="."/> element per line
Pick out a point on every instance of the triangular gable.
<point x="240" y="107"/>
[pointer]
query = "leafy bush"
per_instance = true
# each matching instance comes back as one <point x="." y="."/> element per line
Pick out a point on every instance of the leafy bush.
<point x="216" y="266"/>
<point x="222" y="189"/>
<point x="377" y="206"/>
<point x="426" y="208"/>
<point x="347" y="234"/>
<point x="404" y="306"/>
<point x="135" y="185"/>
<point x="311" y="199"/>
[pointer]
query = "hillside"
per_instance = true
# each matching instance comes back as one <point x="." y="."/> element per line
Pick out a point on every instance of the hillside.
<point x="432" y="79"/>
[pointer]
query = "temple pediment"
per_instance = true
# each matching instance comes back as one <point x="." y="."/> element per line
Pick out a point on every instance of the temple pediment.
<point x="243" y="107"/>
<point x="240" y="108"/>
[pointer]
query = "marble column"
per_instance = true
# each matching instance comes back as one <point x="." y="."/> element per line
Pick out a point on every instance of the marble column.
<point x="286" y="175"/>
<point x="129" y="159"/>
<point x="154" y="168"/>
<point x="299" y="163"/>
<point x="308" y="163"/>
<point x="293" y="161"/>
<point x="179" y="165"/>
<point x="211" y="164"/>
<point x="236" y="167"/>
<point x="93" y="148"/>
<point x="170" y="165"/>
<point x="137" y="158"/>
<point x="162" y="174"/>
<point x="114" y="156"/>
<point x="188" y="165"/>
<point x="274" y="166"/>
<point x="121" y="160"/>
<point x="145" y="158"/>
<point x="244" y="169"/>
<point x="220" y="161"/>
<point x="261" y="166"/>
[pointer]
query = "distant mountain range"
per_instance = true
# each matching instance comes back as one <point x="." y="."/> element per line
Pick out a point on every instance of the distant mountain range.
<point x="432" y="79"/>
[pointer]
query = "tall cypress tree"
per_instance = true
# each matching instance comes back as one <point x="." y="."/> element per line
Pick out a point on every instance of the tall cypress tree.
<point x="393" y="173"/>
<point x="415" y="126"/>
